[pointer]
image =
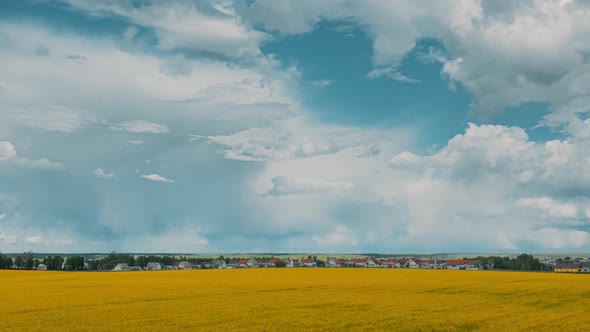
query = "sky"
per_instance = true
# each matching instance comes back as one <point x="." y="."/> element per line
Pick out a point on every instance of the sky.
<point x="295" y="126"/>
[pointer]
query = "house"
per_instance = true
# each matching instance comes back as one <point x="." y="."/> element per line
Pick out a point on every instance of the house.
<point x="243" y="263"/>
<point x="273" y="262"/>
<point x="184" y="265"/>
<point x="461" y="264"/>
<point x="296" y="263"/>
<point x="252" y="263"/>
<point x="121" y="267"/>
<point x="153" y="266"/>
<point x="568" y="267"/>
<point x="169" y="267"/>
<point x="195" y="266"/>
<point x="263" y="262"/>
<point x="233" y="265"/>
<point x="135" y="268"/>
<point x="585" y="267"/>
<point x="372" y="262"/>
<point x="427" y="264"/>
<point x="289" y="262"/>
<point x="218" y="264"/>
<point x="432" y="264"/>
<point x="333" y="262"/>
<point x="358" y="262"/>
<point x="41" y="267"/>
<point x="411" y="263"/>
<point x="389" y="263"/>
<point x="308" y="262"/>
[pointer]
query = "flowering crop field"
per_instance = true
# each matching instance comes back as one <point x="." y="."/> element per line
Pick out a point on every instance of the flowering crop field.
<point x="294" y="299"/>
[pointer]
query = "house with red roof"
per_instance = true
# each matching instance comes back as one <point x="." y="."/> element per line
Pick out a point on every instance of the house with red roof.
<point x="263" y="262"/>
<point x="235" y="264"/>
<point x="334" y="262"/>
<point x="273" y="262"/>
<point x="461" y="264"/>
<point x="308" y="262"/>
<point x="411" y="263"/>
<point x="389" y="263"/>
<point x="428" y="264"/>
<point x="372" y="262"/>
<point x="358" y="262"/>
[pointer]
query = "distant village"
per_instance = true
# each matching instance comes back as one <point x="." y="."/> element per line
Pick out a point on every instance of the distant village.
<point x="130" y="262"/>
<point x="580" y="266"/>
<point x="367" y="262"/>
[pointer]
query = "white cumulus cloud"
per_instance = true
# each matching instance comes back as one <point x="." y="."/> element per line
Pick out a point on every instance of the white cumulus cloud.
<point x="7" y="150"/>
<point x="548" y="207"/>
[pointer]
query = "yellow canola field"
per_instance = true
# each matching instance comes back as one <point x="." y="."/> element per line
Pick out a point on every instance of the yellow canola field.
<point x="293" y="300"/>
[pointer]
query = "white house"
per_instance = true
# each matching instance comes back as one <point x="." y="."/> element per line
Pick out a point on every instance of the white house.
<point x="263" y="262"/>
<point x="389" y="263"/>
<point x="41" y="267"/>
<point x="184" y="265"/>
<point x="252" y="263"/>
<point x="333" y="262"/>
<point x="218" y="264"/>
<point x="308" y="262"/>
<point x="153" y="266"/>
<point x="372" y="262"/>
<point x="289" y="262"/>
<point x="358" y="262"/>
<point x="121" y="267"/>
<point x="427" y="264"/>
<point x="410" y="263"/>
<point x="461" y="264"/>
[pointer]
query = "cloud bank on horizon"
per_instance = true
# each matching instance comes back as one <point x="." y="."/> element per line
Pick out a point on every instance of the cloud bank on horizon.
<point x="283" y="126"/>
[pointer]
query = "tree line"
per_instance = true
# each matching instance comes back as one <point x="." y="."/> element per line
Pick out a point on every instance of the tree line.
<point x="523" y="262"/>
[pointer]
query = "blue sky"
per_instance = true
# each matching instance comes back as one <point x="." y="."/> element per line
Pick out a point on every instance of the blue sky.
<point x="333" y="126"/>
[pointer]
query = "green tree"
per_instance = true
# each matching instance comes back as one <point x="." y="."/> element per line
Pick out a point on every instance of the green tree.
<point x="75" y="263"/>
<point x="29" y="260"/>
<point x="5" y="261"/>
<point x="141" y="261"/>
<point x="19" y="261"/>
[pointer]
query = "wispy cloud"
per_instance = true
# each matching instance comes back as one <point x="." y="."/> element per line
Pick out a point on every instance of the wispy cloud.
<point x="7" y="238"/>
<point x="321" y="83"/>
<point x="155" y="177"/>
<point x="101" y="174"/>
<point x="141" y="126"/>
<point x="33" y="239"/>
<point x="392" y="73"/>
